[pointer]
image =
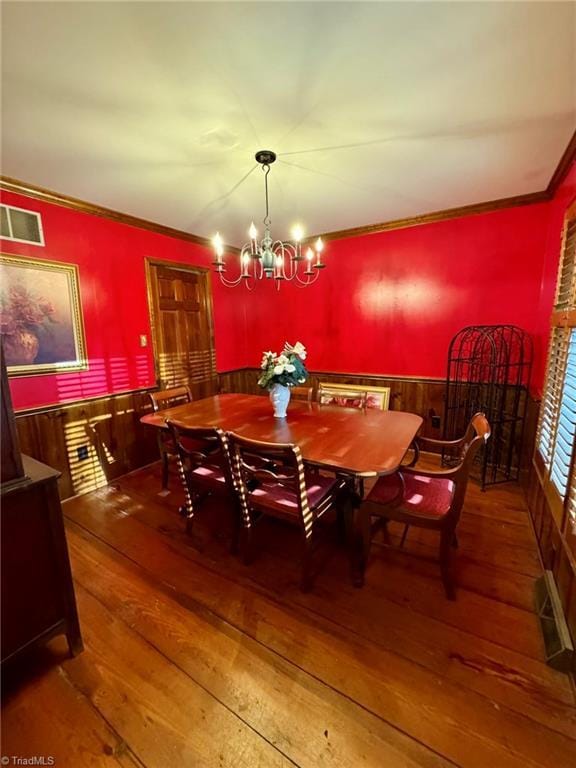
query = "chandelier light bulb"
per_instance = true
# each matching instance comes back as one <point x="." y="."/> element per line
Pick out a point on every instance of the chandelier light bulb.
<point x="309" y="254"/>
<point x="297" y="233"/>
<point x="218" y="244"/>
<point x="252" y="232"/>
<point x="319" y="245"/>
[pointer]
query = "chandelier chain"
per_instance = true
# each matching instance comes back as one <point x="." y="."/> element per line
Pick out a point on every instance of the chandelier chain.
<point x="266" y="169"/>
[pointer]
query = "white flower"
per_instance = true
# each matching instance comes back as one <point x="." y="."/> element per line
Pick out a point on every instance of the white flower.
<point x="300" y="350"/>
<point x="267" y="358"/>
<point x="278" y="369"/>
<point x="290" y="368"/>
<point x="283" y="360"/>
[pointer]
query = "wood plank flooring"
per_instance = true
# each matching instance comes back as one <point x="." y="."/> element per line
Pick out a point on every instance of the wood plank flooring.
<point x="193" y="659"/>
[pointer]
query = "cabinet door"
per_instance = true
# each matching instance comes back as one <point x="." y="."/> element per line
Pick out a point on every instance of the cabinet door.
<point x="32" y="598"/>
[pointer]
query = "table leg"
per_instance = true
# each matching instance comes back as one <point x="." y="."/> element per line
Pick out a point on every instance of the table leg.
<point x="354" y="542"/>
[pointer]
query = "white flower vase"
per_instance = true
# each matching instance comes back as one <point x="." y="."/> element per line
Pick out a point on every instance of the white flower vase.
<point x="279" y="397"/>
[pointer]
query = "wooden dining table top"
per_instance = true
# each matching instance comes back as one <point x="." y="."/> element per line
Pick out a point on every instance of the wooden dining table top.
<point x="364" y="442"/>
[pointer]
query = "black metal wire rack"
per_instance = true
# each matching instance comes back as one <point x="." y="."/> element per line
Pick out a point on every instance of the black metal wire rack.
<point x="489" y="370"/>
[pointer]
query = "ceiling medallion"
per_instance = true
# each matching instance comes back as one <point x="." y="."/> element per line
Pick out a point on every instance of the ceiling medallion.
<point x="271" y="259"/>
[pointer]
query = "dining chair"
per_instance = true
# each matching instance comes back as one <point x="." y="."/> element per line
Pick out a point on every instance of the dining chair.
<point x="302" y="393"/>
<point x="347" y="397"/>
<point x="168" y="398"/>
<point x="280" y="486"/>
<point x="205" y="469"/>
<point x="423" y="498"/>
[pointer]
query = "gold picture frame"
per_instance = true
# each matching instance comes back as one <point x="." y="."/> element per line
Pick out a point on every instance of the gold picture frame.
<point x="359" y="395"/>
<point x="42" y="325"/>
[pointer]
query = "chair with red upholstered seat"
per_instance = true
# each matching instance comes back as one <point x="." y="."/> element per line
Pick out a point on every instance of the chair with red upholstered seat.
<point x="168" y="398"/>
<point x="204" y="466"/>
<point x="426" y="498"/>
<point x="271" y="480"/>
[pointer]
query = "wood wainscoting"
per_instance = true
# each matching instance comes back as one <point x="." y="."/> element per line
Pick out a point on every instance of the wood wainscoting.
<point x="94" y="441"/>
<point x="554" y="551"/>
<point x="424" y="396"/>
<point x="91" y="442"/>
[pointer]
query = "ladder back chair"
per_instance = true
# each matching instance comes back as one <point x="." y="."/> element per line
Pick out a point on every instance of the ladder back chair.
<point x="205" y="469"/>
<point x="302" y="393"/>
<point x="430" y="499"/>
<point x="168" y="398"/>
<point x="347" y="397"/>
<point x="271" y="479"/>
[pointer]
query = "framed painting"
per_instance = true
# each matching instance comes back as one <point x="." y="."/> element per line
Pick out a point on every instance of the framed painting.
<point x="41" y="320"/>
<point x="378" y="397"/>
<point x="354" y="396"/>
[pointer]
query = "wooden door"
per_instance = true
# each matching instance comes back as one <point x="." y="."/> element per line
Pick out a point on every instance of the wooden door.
<point x="182" y="328"/>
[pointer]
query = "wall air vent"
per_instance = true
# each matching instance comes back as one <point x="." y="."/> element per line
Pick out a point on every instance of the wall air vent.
<point x="20" y="225"/>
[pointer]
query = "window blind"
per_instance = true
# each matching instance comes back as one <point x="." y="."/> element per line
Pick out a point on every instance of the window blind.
<point x="552" y="398"/>
<point x="557" y="424"/>
<point x="566" y="285"/>
<point x="565" y="420"/>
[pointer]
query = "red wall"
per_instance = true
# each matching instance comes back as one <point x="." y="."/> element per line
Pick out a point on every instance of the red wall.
<point x="390" y="302"/>
<point x="110" y="257"/>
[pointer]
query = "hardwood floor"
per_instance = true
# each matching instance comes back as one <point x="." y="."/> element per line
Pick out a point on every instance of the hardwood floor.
<point x="193" y="659"/>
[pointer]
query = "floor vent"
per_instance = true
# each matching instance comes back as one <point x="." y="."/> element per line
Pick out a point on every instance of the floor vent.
<point x="557" y="640"/>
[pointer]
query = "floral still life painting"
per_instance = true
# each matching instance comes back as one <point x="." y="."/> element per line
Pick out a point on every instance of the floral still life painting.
<point x="40" y="317"/>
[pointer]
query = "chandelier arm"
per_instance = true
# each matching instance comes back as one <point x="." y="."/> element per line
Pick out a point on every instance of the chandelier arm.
<point x="310" y="280"/>
<point x="229" y="283"/>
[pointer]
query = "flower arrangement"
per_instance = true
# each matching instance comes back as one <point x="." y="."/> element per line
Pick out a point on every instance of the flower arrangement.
<point x="287" y="368"/>
<point x="21" y="310"/>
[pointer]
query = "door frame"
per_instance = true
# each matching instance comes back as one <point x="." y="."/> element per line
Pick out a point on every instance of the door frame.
<point x="149" y="263"/>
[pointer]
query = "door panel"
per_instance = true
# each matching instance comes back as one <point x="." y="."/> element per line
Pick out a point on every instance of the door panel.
<point x="182" y="328"/>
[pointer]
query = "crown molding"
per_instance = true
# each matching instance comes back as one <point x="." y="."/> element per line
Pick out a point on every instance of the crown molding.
<point x="49" y="196"/>
<point x="444" y="215"/>
<point x="563" y="166"/>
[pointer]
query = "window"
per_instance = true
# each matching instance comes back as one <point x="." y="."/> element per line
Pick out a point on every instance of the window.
<point x="20" y="225"/>
<point x="557" y="426"/>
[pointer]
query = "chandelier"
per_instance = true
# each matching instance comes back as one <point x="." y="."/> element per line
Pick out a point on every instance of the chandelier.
<point x="271" y="259"/>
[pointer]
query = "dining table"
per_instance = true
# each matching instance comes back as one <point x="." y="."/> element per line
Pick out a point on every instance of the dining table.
<point x="360" y="442"/>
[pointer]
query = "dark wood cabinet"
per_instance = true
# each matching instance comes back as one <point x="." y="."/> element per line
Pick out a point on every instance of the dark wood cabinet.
<point x="38" y="599"/>
<point x="37" y="593"/>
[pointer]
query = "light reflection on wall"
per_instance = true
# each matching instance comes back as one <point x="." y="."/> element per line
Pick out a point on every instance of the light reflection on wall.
<point x="91" y="454"/>
<point x="116" y="374"/>
<point x="86" y="473"/>
<point x="410" y="295"/>
<point x="192" y="367"/>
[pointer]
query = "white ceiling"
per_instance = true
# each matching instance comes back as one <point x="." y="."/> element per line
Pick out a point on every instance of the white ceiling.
<point x="377" y="110"/>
